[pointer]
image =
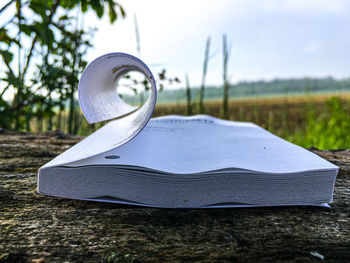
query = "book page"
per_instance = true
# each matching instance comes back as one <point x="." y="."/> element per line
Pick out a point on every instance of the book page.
<point x="99" y="101"/>
<point x="197" y="144"/>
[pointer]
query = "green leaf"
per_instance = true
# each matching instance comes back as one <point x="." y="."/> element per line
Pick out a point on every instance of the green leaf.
<point x="5" y="38"/>
<point x="39" y="7"/>
<point x="97" y="7"/>
<point x="84" y="5"/>
<point x="27" y="29"/>
<point x="44" y="33"/>
<point x="144" y="82"/>
<point x="111" y="11"/>
<point x="161" y="75"/>
<point x="6" y="55"/>
<point x="122" y="11"/>
<point x="68" y="4"/>
<point x="64" y="17"/>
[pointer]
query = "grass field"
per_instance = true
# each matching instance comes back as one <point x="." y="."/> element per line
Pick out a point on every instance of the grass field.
<point x="322" y="121"/>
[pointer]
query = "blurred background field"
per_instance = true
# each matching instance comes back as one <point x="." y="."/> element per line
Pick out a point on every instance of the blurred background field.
<point x="321" y="121"/>
<point x="289" y="75"/>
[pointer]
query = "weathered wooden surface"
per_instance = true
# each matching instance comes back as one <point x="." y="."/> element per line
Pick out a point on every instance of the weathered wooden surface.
<point x="46" y="229"/>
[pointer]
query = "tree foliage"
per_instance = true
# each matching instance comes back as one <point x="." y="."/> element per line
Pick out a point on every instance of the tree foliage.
<point x="43" y="51"/>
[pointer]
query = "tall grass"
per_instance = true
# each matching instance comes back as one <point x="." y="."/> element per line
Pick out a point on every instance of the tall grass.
<point x="329" y="129"/>
<point x="226" y="56"/>
<point x="188" y="96"/>
<point x="306" y="121"/>
<point x="204" y="74"/>
<point x="321" y="122"/>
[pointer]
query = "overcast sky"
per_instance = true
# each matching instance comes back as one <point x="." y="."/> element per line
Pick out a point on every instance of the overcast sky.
<point x="270" y="38"/>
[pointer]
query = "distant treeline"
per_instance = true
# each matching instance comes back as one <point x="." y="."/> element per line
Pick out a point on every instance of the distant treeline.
<point x="277" y="87"/>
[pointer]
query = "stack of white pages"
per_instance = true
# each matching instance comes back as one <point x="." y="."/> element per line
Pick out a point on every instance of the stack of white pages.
<point x="184" y="162"/>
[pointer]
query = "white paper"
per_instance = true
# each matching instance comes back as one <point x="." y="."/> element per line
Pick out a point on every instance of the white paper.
<point x="99" y="101"/>
<point x="198" y="144"/>
<point x="175" y="161"/>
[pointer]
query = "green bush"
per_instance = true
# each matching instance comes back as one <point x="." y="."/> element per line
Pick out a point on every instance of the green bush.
<point x="328" y="130"/>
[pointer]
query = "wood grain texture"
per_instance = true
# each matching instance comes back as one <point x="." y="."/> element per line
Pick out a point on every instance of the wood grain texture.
<point x="36" y="228"/>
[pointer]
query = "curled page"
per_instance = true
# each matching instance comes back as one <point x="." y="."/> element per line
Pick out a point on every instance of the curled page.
<point x="99" y="101"/>
<point x="98" y="96"/>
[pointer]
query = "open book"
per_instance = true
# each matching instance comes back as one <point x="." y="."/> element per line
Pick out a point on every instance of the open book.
<point x="178" y="162"/>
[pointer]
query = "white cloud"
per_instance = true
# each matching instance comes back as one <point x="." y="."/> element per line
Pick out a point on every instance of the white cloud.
<point x="309" y="6"/>
<point x="269" y="37"/>
<point x="311" y="47"/>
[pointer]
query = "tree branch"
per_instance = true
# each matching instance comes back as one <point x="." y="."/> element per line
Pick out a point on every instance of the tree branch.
<point x="3" y="91"/>
<point x="8" y="22"/>
<point x="26" y="103"/>
<point x="6" y="6"/>
<point x="53" y="10"/>
<point x="49" y="19"/>
<point x="29" y="57"/>
<point x="9" y="67"/>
